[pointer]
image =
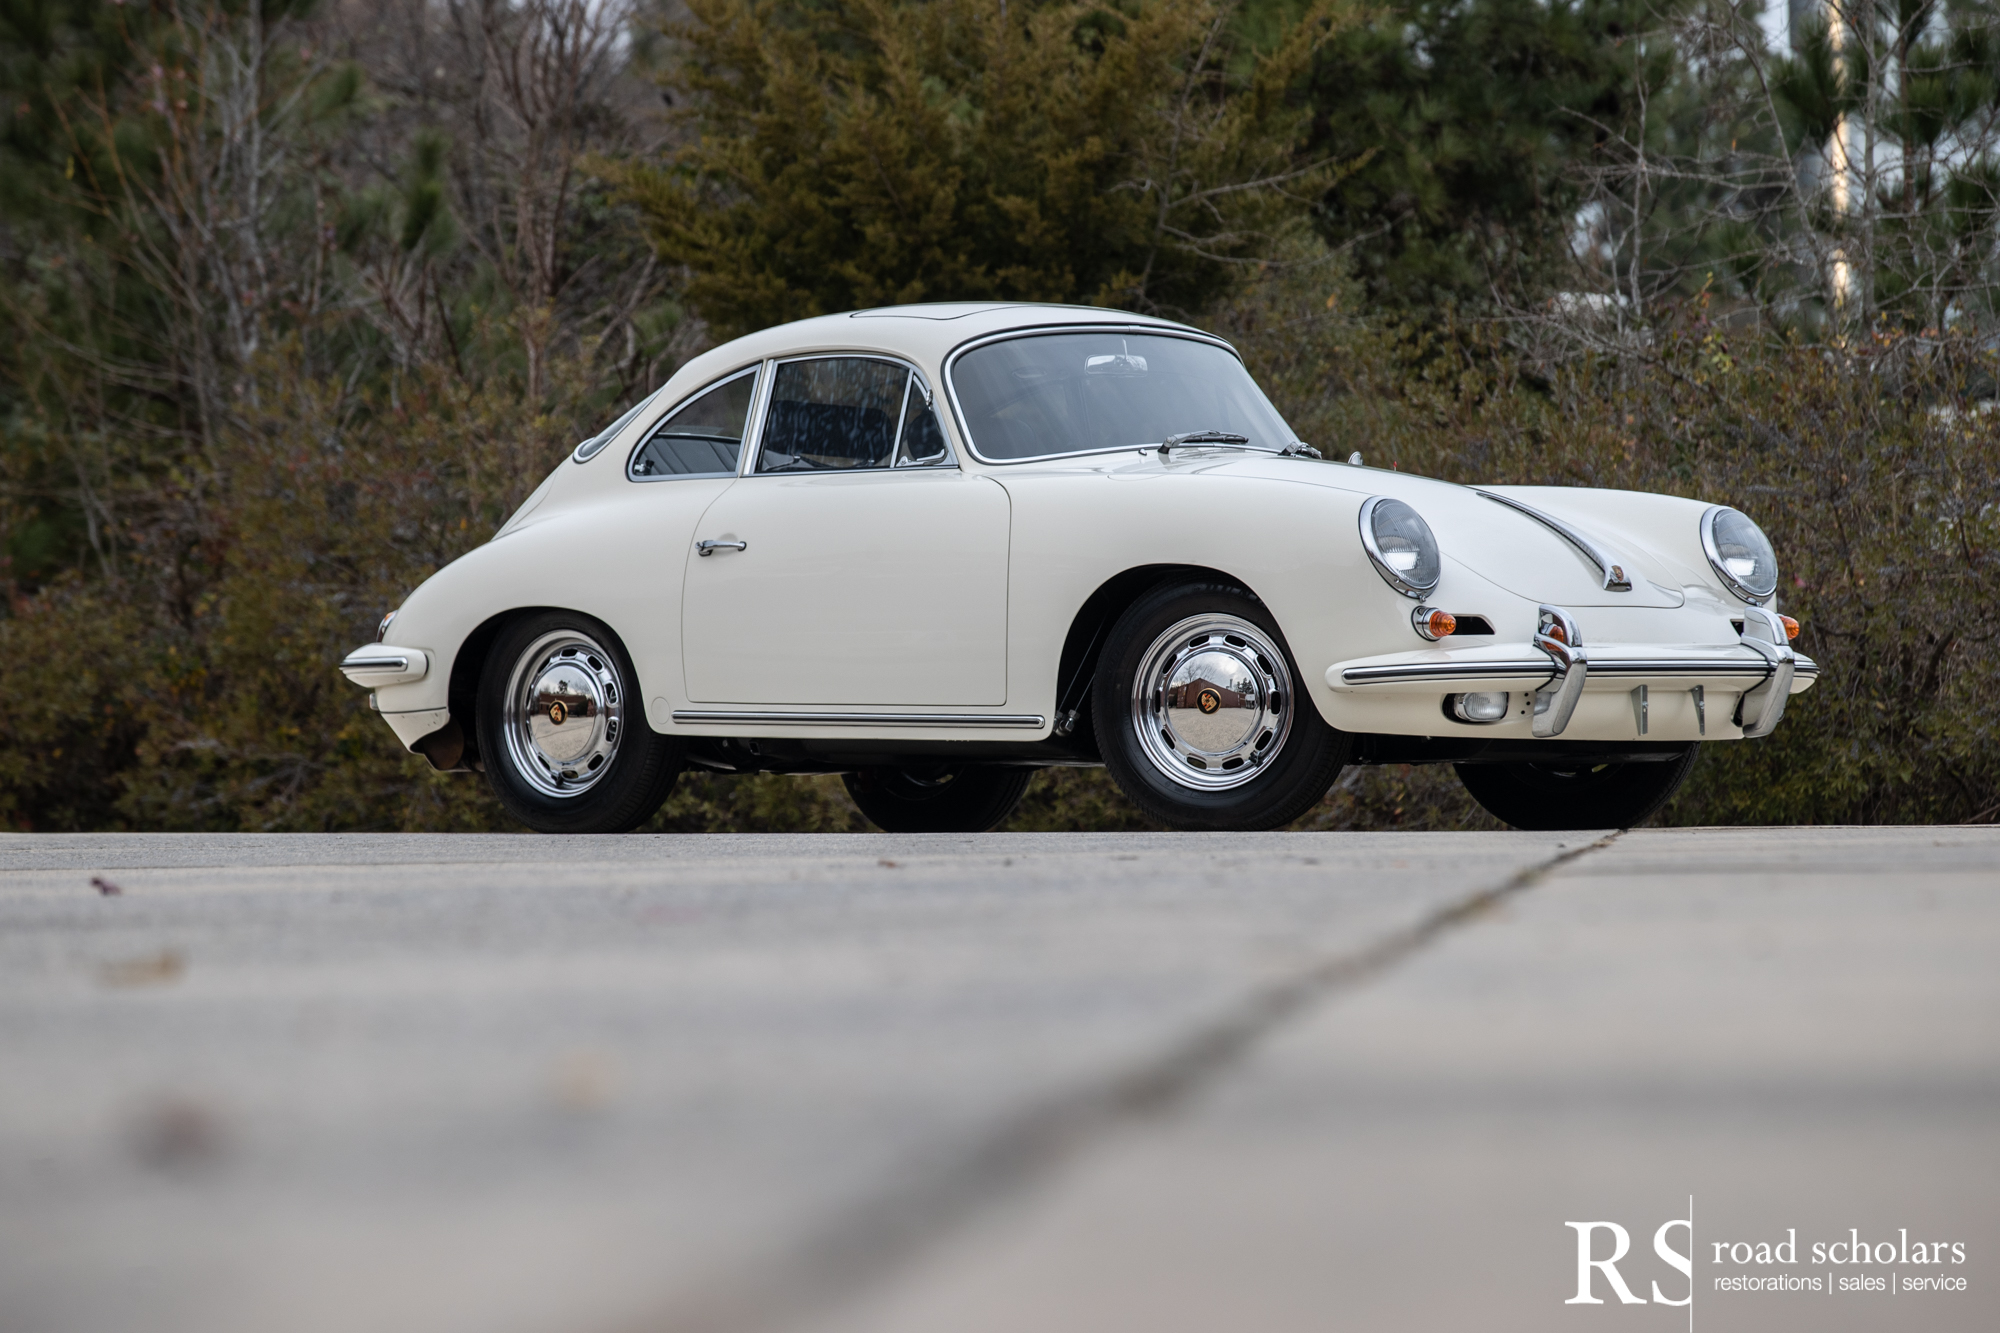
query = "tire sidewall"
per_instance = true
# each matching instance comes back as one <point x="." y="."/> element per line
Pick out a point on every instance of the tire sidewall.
<point x="1307" y="762"/>
<point x="641" y="771"/>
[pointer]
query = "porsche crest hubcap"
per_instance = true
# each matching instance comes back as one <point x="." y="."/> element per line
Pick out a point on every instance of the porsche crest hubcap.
<point x="565" y="709"/>
<point x="1210" y="703"/>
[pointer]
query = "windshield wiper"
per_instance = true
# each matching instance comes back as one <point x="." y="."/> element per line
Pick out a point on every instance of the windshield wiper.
<point x="1298" y="448"/>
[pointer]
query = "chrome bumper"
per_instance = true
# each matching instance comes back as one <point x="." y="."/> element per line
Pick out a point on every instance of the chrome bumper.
<point x="1557" y="667"/>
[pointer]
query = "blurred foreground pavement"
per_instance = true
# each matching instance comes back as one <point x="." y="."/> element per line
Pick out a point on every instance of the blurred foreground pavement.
<point x="1273" y="1082"/>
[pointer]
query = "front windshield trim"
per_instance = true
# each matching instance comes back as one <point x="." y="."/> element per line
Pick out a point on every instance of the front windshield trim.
<point x="1043" y="330"/>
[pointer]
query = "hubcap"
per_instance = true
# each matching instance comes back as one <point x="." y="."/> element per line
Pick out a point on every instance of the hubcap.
<point x="565" y="710"/>
<point x="1209" y="703"/>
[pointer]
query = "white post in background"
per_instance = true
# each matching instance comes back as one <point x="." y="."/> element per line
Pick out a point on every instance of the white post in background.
<point x="1838" y="158"/>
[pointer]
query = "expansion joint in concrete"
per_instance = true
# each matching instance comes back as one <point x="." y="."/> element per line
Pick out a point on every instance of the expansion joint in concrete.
<point x="867" y="1241"/>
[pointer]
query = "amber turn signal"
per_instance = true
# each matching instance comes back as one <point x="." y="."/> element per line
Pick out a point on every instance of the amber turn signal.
<point x="1432" y="623"/>
<point x="1791" y="626"/>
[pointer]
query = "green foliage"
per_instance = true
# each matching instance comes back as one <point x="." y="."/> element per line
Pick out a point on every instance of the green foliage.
<point x="1466" y="118"/>
<point x="872" y="153"/>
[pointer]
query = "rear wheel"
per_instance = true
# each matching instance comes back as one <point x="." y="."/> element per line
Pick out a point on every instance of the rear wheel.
<point x="1555" y="796"/>
<point x="973" y="798"/>
<point x="1201" y="716"/>
<point x="564" y="741"/>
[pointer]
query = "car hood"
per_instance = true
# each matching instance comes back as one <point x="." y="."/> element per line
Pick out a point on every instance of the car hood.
<point x="1501" y="544"/>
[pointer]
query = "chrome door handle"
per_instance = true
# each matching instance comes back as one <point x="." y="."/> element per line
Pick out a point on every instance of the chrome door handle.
<point x="710" y="548"/>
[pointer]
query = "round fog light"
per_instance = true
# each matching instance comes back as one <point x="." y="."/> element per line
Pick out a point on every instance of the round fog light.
<point x="1489" y="706"/>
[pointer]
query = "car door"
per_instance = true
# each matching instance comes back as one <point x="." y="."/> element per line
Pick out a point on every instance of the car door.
<point x="854" y="564"/>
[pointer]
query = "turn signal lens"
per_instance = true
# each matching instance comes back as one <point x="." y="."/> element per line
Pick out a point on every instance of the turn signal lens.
<point x="1555" y="631"/>
<point x="1791" y="626"/>
<point x="1432" y="623"/>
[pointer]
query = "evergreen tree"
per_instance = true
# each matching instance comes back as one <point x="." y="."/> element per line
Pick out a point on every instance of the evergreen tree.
<point x="873" y="152"/>
<point x="1467" y="118"/>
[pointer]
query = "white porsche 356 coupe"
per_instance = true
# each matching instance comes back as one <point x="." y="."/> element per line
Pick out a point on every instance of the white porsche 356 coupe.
<point x="933" y="548"/>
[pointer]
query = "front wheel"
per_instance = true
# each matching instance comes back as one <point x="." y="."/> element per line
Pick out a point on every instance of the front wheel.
<point x="561" y="730"/>
<point x="1550" y="796"/>
<point x="1201" y="715"/>
<point x="974" y="798"/>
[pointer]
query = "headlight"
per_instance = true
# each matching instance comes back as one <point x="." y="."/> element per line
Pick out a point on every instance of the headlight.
<point x="1400" y="543"/>
<point x="1740" y="552"/>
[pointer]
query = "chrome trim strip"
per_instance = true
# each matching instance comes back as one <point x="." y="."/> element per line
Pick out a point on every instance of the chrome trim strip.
<point x="1537" y="670"/>
<point x="1609" y="562"/>
<point x="1421" y="671"/>
<point x="706" y="716"/>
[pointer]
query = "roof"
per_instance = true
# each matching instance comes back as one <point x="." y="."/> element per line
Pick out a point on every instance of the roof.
<point x="923" y="333"/>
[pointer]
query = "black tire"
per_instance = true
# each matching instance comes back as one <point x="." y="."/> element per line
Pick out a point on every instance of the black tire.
<point x="1549" y="796"/>
<point x="623" y="769"/>
<point x="1276" y="755"/>
<point x="974" y="798"/>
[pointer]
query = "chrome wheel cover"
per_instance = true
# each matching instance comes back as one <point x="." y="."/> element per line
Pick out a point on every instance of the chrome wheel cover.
<point x="565" y="713"/>
<point x="1211" y="702"/>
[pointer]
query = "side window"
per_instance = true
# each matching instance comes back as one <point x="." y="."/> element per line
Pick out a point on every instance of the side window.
<point x="704" y="437"/>
<point x="831" y="414"/>
<point x="922" y="442"/>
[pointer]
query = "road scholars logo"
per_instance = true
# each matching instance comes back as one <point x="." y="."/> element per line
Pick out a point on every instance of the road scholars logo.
<point x="1853" y="1264"/>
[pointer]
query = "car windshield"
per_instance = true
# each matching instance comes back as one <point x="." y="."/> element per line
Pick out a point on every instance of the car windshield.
<point x="1071" y="393"/>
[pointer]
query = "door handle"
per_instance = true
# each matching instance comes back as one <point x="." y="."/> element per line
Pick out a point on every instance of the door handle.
<point x="710" y="548"/>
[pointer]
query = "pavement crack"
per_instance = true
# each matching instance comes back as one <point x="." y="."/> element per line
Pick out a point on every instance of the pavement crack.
<point x="869" y="1240"/>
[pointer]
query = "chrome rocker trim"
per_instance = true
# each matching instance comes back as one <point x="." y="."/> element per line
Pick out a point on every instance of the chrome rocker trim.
<point x="711" y="716"/>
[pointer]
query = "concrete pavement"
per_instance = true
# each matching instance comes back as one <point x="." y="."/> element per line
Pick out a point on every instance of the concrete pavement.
<point x="1288" y="1081"/>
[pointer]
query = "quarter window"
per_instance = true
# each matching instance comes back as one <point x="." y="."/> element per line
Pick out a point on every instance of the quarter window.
<point x="703" y="437"/>
<point x="921" y="442"/>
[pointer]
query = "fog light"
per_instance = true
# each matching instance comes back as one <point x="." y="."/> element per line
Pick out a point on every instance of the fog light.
<point x="1432" y="623"/>
<point x="1488" y="706"/>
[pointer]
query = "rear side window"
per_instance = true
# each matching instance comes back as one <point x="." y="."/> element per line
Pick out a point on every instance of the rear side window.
<point x="834" y="413"/>
<point x="703" y="437"/>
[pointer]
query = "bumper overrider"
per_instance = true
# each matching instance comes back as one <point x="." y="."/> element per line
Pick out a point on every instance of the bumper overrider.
<point x="1552" y="672"/>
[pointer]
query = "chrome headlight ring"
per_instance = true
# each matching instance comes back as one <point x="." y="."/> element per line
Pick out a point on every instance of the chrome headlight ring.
<point x="1739" y="553"/>
<point x="1401" y="546"/>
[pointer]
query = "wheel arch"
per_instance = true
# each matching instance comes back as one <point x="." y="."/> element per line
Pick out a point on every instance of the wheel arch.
<point x="1093" y="620"/>
<point x="462" y="694"/>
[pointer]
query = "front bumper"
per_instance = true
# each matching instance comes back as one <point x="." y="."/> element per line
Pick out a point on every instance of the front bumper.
<point x="1559" y="687"/>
